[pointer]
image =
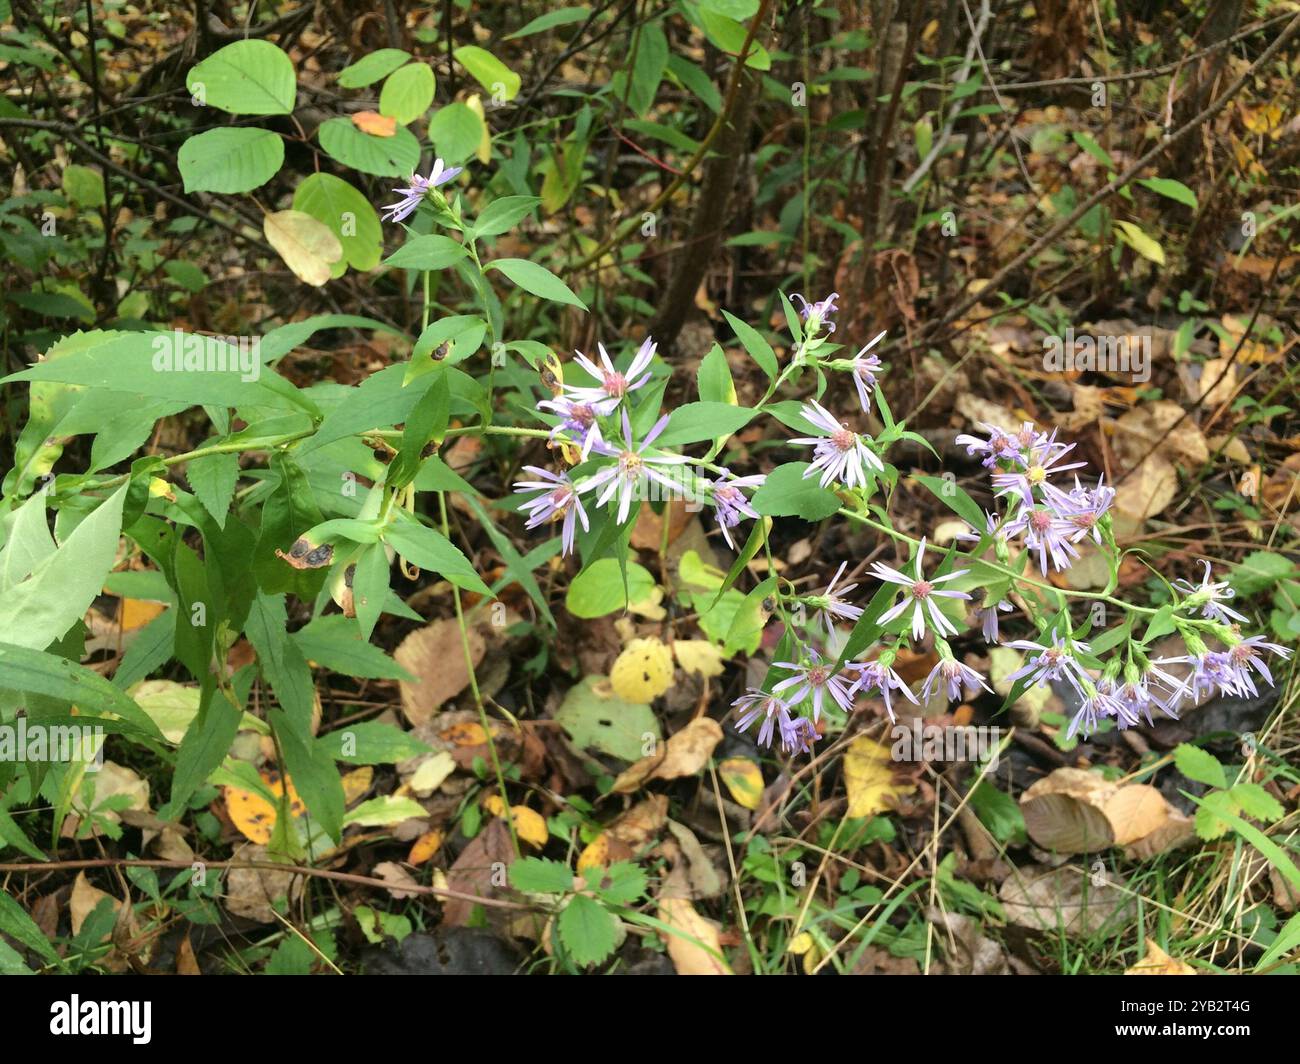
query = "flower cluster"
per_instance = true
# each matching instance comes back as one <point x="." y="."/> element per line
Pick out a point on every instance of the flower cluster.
<point x="1043" y="516"/>
<point x="591" y="418"/>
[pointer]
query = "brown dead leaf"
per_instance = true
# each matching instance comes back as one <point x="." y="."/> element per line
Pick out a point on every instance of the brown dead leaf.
<point x="396" y="877"/>
<point x="1052" y="899"/>
<point x="684" y="754"/>
<point x="252" y="892"/>
<point x="479" y="871"/>
<point x="1158" y="962"/>
<point x="84" y="900"/>
<point x="692" y="940"/>
<point x="435" y="656"/>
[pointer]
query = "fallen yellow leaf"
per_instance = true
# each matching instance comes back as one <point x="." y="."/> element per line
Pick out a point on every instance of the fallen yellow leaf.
<point x="744" y="780"/>
<point x="869" y="778"/>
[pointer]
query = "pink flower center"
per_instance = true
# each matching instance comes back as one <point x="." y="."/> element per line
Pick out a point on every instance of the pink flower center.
<point x="818" y="675"/>
<point x="1242" y="653"/>
<point x="921" y="589"/>
<point x="582" y="414"/>
<point x="615" y="383"/>
<point x="1040" y="520"/>
<point x="561" y="497"/>
<point x="1084" y="520"/>
<point x="726" y="493"/>
<point x="843" y="439"/>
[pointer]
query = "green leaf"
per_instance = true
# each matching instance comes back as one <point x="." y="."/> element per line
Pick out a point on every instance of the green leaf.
<point x="713" y="379"/>
<point x="230" y="160"/>
<point x="1288" y="938"/>
<point x="502" y="215"/>
<point x="647" y="68"/>
<point x="536" y="280"/>
<point x="370" y="68"/>
<point x="36" y="672"/>
<point x="599" y="588"/>
<point x="759" y="349"/>
<point x="1259" y="571"/>
<point x="1168" y="187"/>
<point x="213" y="478"/>
<point x="606" y="724"/>
<point x="83" y="186"/>
<point x="15" y="923"/>
<point x="280" y="660"/>
<point x="150" y="364"/>
<point x="620" y="884"/>
<point x="372" y="743"/>
<point x="432" y="252"/>
<point x="251" y="77"/>
<point x="500" y="82"/>
<point x="956" y="499"/>
<point x="539" y="875"/>
<point x="565" y="16"/>
<point x="61" y="587"/>
<point x="384" y="811"/>
<point x="407" y="93"/>
<point x="998" y="812"/>
<point x="588" y="932"/>
<point x="395" y="156"/>
<point x="205" y="745"/>
<point x="314" y="774"/>
<point x="456" y="131"/>
<point x="1200" y="765"/>
<point x="693" y="422"/>
<point x="1138" y="240"/>
<point x="346" y="212"/>
<point x="788" y="493"/>
<point x="428" y="549"/>
<point x="333" y="643"/>
<point x="729" y="35"/>
<point x="1254" y="801"/>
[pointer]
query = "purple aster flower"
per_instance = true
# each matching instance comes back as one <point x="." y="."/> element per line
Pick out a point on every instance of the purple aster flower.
<point x="729" y="498"/>
<point x="559" y="499"/>
<point x="413" y="195"/>
<point x="865" y="369"/>
<point x="830" y="603"/>
<point x="1046" y="532"/>
<point x="1210" y="670"/>
<point x="881" y="676"/>
<point x="1242" y="657"/>
<point x="578" y="419"/>
<point x="818" y="314"/>
<point x="1095" y="706"/>
<point x="814" y="677"/>
<point x="1209" y="595"/>
<point x="919" y="594"/>
<point x="613" y="383"/>
<point x="988" y="618"/>
<point x="633" y="466"/>
<point x="1000" y="446"/>
<point x="1038" y="463"/>
<point x="958" y="679"/>
<point x="800" y="737"/>
<point x="992" y="528"/>
<point x="774" y="713"/>
<point x="841" y="454"/>
<point x="1081" y="509"/>
<point x="1055" y="662"/>
<point x="1137" y="697"/>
